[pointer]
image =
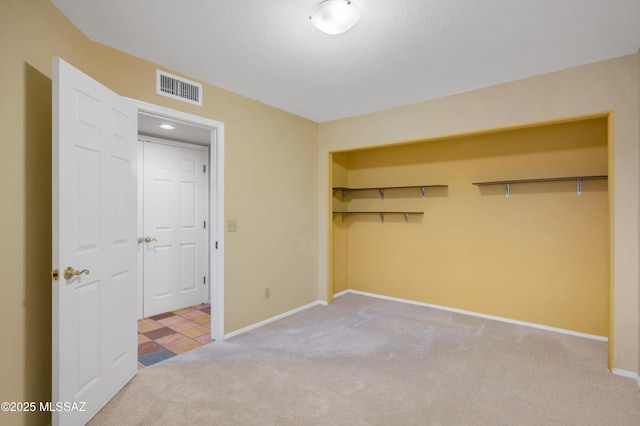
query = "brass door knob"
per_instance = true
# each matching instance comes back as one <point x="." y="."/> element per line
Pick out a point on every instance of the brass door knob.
<point x="149" y="239"/>
<point x="70" y="272"/>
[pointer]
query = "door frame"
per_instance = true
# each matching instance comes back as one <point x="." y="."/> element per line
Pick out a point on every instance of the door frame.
<point x="205" y="296"/>
<point x="216" y="204"/>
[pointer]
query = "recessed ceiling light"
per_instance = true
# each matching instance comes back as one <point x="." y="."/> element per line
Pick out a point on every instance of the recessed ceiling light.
<point x="166" y="126"/>
<point x="335" y="16"/>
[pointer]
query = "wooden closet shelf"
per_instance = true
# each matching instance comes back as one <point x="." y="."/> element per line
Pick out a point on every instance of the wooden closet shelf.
<point x="423" y="188"/>
<point x="343" y="188"/>
<point x="550" y="179"/>
<point x="578" y="179"/>
<point x="380" y="213"/>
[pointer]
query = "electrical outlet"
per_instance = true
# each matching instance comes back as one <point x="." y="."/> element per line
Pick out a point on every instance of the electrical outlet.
<point x="232" y="226"/>
<point x="267" y="293"/>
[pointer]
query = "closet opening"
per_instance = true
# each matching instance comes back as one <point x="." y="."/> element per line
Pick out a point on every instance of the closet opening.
<point x="516" y="225"/>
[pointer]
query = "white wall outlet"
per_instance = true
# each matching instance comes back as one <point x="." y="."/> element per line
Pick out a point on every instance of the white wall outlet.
<point x="232" y="226"/>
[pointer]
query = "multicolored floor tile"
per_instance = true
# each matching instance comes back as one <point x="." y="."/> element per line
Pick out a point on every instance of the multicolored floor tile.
<point x="166" y="335"/>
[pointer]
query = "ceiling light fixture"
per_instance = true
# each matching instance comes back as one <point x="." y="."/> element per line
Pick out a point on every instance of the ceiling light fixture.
<point x="166" y="126"/>
<point x="335" y="16"/>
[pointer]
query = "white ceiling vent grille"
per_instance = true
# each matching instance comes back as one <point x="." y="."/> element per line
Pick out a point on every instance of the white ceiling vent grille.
<point x="179" y="88"/>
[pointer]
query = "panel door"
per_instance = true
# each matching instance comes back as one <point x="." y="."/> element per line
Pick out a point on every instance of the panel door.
<point x="174" y="227"/>
<point x="94" y="321"/>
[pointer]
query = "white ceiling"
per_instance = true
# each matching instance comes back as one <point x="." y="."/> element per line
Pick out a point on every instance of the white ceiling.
<point x="150" y="125"/>
<point x="400" y="52"/>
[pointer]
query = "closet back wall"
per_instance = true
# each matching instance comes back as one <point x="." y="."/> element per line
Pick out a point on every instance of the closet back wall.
<point x="541" y="255"/>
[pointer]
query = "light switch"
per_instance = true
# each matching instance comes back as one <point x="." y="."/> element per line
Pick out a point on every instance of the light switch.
<point x="232" y="226"/>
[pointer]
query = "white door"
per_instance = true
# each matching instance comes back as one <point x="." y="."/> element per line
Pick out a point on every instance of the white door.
<point x="94" y="234"/>
<point x="175" y="210"/>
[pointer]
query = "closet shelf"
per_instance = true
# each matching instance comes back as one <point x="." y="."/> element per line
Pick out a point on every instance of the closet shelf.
<point x="508" y="182"/>
<point x="381" y="189"/>
<point x="551" y="179"/>
<point x="380" y="213"/>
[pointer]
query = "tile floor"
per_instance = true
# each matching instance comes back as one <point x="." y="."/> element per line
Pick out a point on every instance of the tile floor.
<point x="166" y="335"/>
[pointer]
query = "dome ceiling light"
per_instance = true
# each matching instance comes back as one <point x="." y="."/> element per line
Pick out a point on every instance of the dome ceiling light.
<point x="335" y="16"/>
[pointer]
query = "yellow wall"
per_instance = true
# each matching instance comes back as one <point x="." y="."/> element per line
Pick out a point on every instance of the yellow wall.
<point x="340" y="229"/>
<point x="638" y="112"/>
<point x="540" y="256"/>
<point x="605" y="86"/>
<point x="270" y="173"/>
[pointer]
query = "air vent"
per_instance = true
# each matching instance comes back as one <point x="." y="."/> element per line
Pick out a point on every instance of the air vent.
<point x="179" y="88"/>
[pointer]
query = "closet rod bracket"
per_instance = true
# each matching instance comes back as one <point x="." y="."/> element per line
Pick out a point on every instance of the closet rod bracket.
<point x="579" y="187"/>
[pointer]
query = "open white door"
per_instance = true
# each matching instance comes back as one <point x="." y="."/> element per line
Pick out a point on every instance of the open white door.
<point x="95" y="236"/>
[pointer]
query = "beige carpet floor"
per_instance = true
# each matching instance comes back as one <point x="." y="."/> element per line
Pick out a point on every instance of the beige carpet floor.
<point x="366" y="361"/>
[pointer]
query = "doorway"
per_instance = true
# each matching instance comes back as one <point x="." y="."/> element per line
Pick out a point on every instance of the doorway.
<point x="193" y="132"/>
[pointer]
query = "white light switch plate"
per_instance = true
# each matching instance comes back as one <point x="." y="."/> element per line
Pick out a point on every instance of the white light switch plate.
<point x="232" y="226"/>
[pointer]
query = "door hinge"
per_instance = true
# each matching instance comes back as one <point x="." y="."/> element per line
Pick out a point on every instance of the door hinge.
<point x="204" y="280"/>
<point x="216" y="244"/>
<point x="55" y="275"/>
<point x="204" y="168"/>
<point x="205" y="224"/>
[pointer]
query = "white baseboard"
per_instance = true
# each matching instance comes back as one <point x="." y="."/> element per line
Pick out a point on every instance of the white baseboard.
<point x="342" y="293"/>
<point x="272" y="319"/>
<point x="625" y="373"/>
<point x="476" y="314"/>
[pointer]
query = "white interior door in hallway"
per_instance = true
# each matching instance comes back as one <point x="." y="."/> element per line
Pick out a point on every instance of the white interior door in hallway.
<point x="94" y="268"/>
<point x="175" y="212"/>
